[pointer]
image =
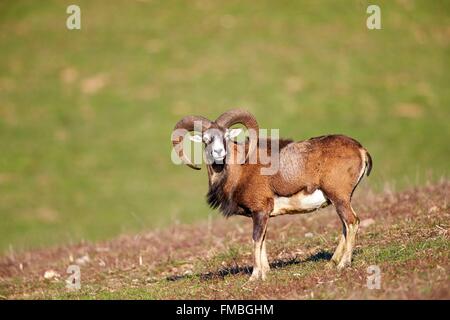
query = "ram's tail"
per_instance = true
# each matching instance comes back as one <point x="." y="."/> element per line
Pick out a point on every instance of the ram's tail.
<point x="364" y="170"/>
<point x="368" y="163"/>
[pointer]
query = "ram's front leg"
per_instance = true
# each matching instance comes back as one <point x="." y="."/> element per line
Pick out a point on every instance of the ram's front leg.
<point x="265" y="266"/>
<point x="260" y="220"/>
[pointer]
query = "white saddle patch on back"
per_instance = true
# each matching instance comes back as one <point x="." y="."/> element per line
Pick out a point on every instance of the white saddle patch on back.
<point x="299" y="203"/>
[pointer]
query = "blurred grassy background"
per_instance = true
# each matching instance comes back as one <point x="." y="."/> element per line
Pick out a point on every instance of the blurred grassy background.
<point x="86" y="116"/>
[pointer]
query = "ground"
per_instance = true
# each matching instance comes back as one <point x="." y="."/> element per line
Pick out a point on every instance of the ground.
<point x="405" y="234"/>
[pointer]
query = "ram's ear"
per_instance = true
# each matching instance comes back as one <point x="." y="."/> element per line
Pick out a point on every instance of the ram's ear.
<point x="196" y="138"/>
<point x="233" y="133"/>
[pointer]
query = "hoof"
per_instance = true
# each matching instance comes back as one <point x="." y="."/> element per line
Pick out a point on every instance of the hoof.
<point x="265" y="270"/>
<point x="258" y="276"/>
<point x="255" y="276"/>
<point x="254" y="279"/>
<point x="343" y="264"/>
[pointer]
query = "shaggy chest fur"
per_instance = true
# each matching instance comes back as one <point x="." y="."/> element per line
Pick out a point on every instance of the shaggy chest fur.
<point x="218" y="198"/>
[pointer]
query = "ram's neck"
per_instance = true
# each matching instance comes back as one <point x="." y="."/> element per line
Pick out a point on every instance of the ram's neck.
<point x="215" y="172"/>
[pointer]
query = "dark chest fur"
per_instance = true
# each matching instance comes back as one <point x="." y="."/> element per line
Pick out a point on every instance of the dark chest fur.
<point x="217" y="198"/>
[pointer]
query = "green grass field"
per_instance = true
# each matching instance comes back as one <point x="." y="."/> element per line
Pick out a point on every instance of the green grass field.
<point x="86" y="116"/>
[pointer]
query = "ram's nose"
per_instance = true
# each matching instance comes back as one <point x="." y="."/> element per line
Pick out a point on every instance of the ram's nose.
<point x="218" y="153"/>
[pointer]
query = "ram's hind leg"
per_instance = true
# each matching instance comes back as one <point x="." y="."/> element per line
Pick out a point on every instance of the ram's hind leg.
<point x="351" y="225"/>
<point x="352" y="230"/>
<point x="336" y="258"/>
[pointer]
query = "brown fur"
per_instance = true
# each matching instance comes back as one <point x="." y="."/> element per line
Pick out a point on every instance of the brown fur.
<point x="331" y="163"/>
<point x="335" y="164"/>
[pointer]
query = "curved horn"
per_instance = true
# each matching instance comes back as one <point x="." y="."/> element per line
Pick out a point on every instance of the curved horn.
<point x="187" y="124"/>
<point x="244" y="117"/>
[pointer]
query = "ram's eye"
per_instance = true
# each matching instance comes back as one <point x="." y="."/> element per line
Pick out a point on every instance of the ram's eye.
<point x="207" y="139"/>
